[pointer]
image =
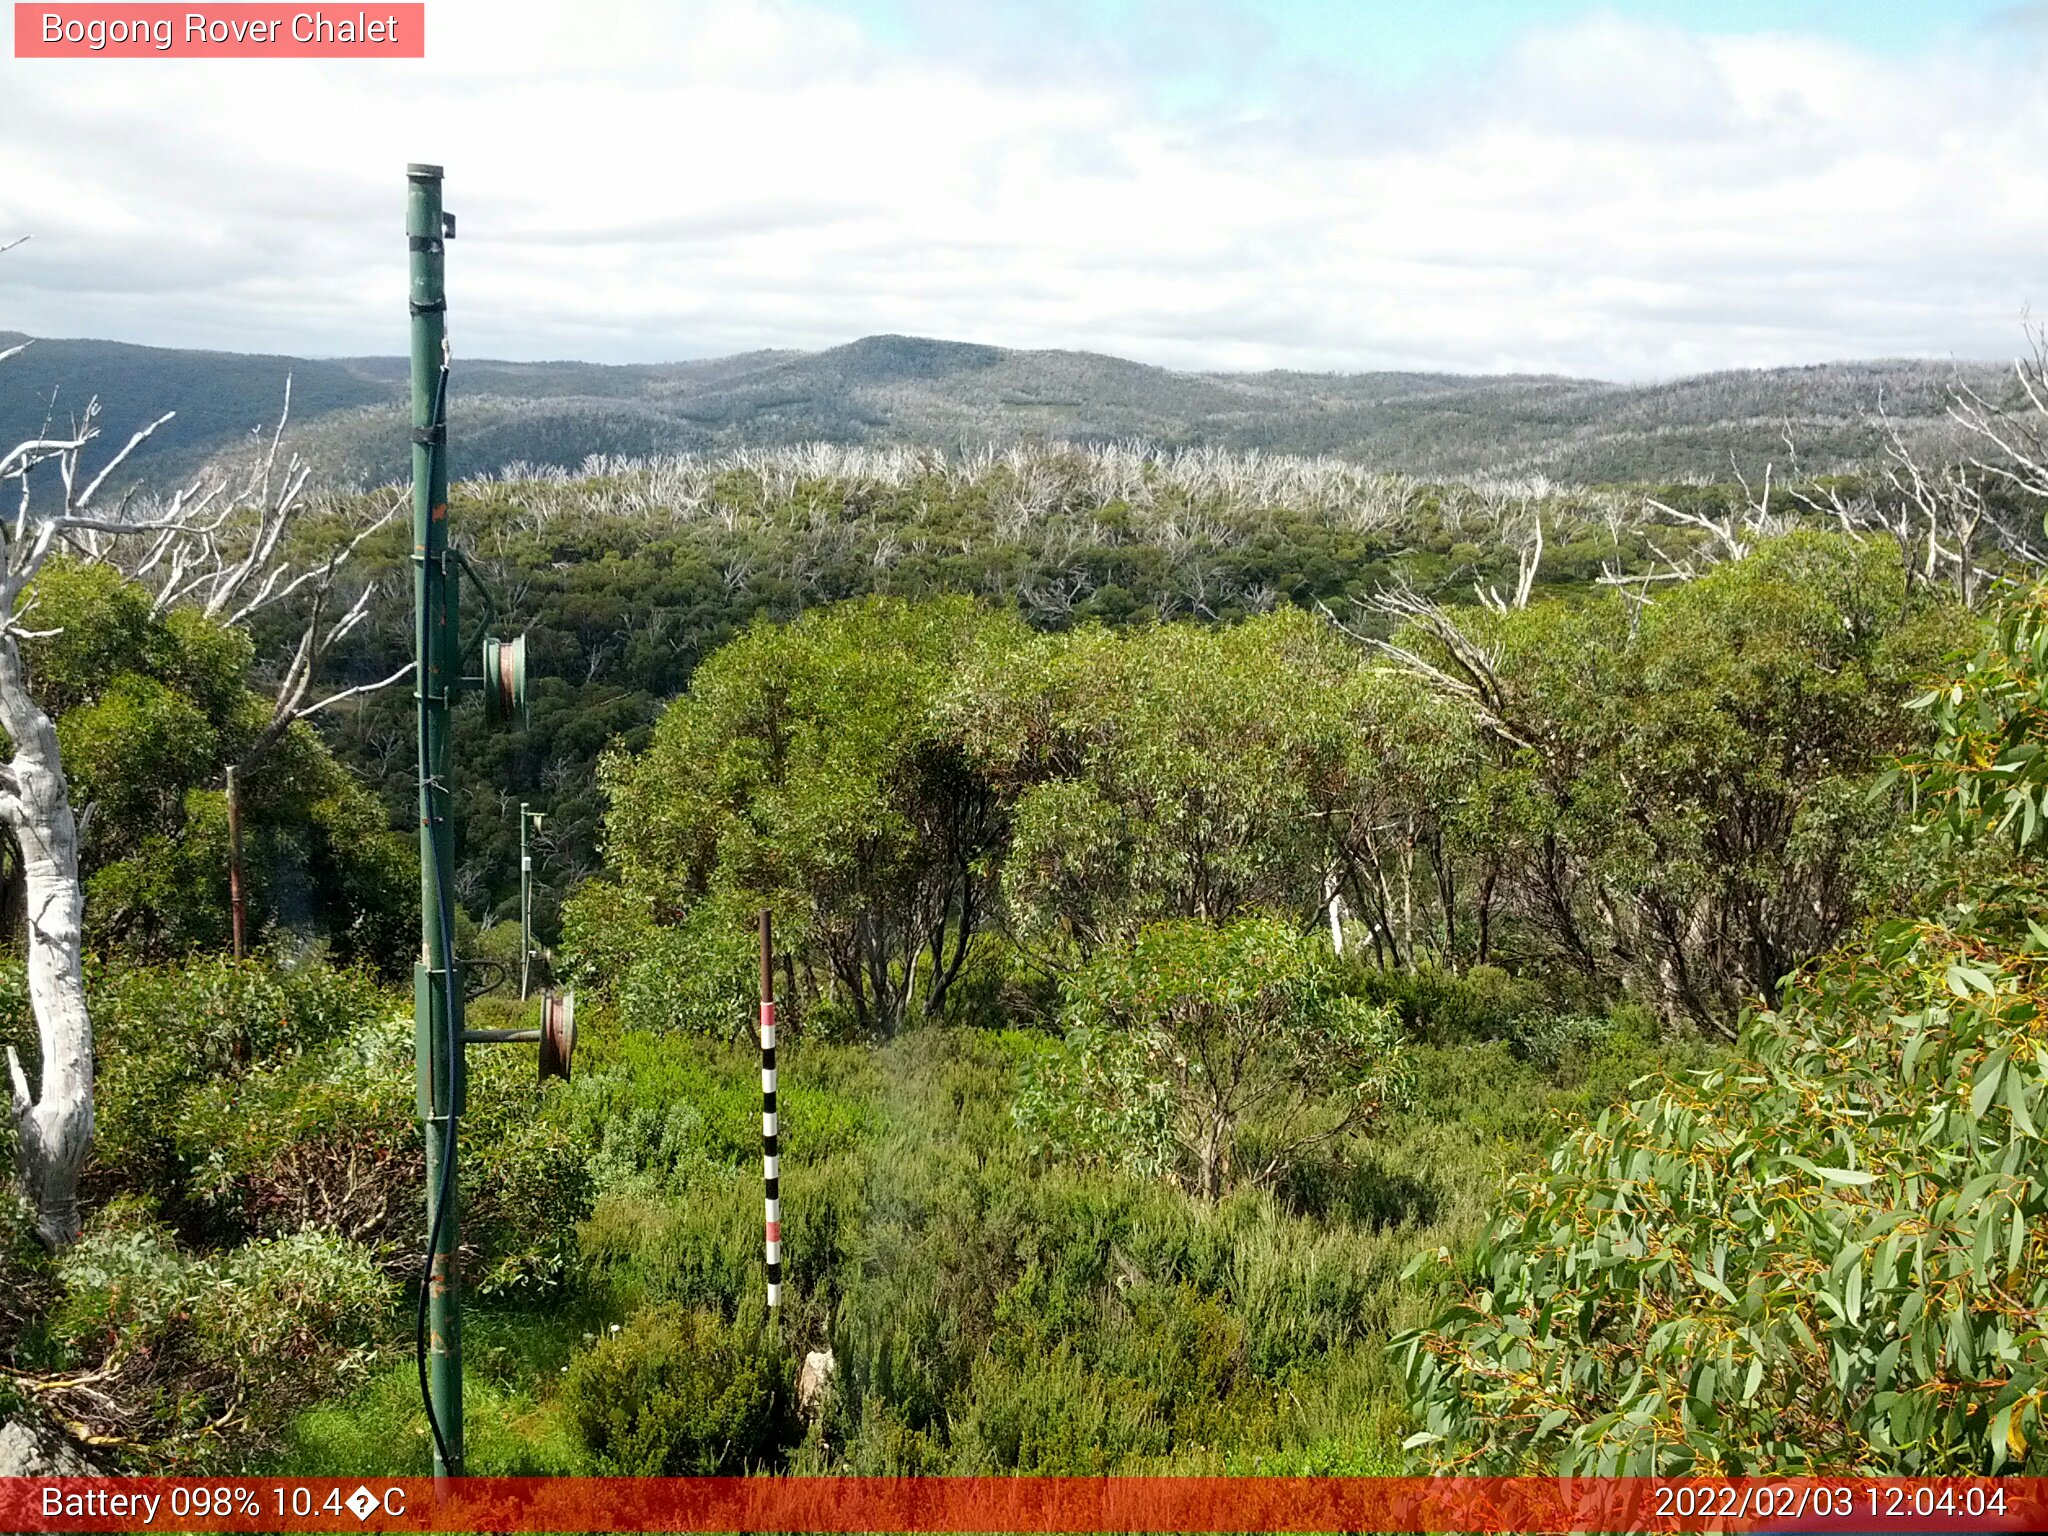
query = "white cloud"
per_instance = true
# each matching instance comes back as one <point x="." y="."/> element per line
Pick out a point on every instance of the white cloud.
<point x="664" y="180"/>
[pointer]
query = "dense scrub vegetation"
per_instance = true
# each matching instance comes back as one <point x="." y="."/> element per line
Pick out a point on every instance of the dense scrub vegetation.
<point x="990" y="1309"/>
<point x="1825" y="1252"/>
<point x="1670" y="804"/>
<point x="993" y="1303"/>
<point x="627" y="577"/>
<point x="1191" y="920"/>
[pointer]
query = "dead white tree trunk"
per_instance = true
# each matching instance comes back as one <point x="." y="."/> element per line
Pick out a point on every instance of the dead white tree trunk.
<point x="1528" y="560"/>
<point x="53" y="1122"/>
<point x="53" y="1127"/>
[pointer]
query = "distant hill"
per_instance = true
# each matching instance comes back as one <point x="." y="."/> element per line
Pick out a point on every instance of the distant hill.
<point x="349" y="412"/>
<point x="219" y="396"/>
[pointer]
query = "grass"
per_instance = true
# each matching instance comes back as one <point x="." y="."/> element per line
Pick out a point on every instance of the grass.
<point x="512" y="1357"/>
<point x="987" y="1313"/>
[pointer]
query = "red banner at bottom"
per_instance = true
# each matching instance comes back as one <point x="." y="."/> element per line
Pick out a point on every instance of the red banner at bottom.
<point x="1523" y="1504"/>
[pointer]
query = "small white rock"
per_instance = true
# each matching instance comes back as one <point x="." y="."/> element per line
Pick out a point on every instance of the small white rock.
<point x="814" y="1382"/>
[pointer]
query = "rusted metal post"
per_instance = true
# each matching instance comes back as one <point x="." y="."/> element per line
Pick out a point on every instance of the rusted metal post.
<point x="771" y="1160"/>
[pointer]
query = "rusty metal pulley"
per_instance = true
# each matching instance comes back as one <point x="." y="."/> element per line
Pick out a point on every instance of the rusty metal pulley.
<point x="556" y="1036"/>
<point x="557" y="1032"/>
<point x="504" y="680"/>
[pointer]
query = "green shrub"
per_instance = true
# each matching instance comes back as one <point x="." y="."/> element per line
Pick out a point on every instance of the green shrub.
<point x="1139" y="1377"/>
<point x="261" y="1330"/>
<point x="280" y="1305"/>
<point x="526" y="1179"/>
<point x="660" y="1115"/>
<point x="28" y="1284"/>
<point x="225" y="1012"/>
<point x="700" y="976"/>
<point x="326" y="1136"/>
<point x="331" y="1137"/>
<point x="1553" y="1040"/>
<point x="1186" y="1350"/>
<point x="877" y="1444"/>
<point x="1445" y="1007"/>
<point x="680" y="1395"/>
<point x="126" y="1276"/>
<point x="704" y="1249"/>
<point x="1094" y="1099"/>
<point x="1056" y="1415"/>
<point x="906" y="1337"/>
<point x="1209" y="1055"/>
<point x="1298" y="1289"/>
<point x="1816" y="1259"/>
<point x="673" y="1133"/>
<point x="163" y="1033"/>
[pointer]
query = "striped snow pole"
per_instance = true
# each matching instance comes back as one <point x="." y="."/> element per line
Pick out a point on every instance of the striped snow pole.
<point x="771" y="1170"/>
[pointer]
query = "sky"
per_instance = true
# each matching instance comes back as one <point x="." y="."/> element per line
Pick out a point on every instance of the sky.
<point x="1636" y="190"/>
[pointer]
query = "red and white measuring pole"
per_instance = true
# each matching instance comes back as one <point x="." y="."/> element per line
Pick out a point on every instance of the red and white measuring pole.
<point x="771" y="1161"/>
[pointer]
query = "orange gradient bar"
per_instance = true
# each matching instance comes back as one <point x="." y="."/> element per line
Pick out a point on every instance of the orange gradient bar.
<point x="241" y="31"/>
<point x="1053" y="1504"/>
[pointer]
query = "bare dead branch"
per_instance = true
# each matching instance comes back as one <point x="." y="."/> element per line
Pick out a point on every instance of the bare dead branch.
<point x="357" y="692"/>
<point x="142" y="436"/>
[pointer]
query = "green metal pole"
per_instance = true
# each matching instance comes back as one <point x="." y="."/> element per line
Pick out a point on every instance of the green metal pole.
<point x="525" y="910"/>
<point x="438" y="676"/>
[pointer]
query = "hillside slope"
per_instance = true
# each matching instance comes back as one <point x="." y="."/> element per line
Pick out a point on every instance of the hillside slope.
<point x="903" y="389"/>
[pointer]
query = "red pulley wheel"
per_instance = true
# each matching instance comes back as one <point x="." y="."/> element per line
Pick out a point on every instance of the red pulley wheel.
<point x="557" y="1032"/>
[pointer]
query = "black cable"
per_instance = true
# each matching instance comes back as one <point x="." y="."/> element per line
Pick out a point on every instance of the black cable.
<point x="447" y="1185"/>
<point x="453" y="1043"/>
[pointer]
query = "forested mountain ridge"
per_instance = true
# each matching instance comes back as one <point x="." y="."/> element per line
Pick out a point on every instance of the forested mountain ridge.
<point x="944" y="394"/>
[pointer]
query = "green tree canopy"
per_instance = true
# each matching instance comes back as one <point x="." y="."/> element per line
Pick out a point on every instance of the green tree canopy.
<point x="151" y="709"/>
<point x="806" y="770"/>
<point x="1677" y="796"/>
<point x="1161" y="772"/>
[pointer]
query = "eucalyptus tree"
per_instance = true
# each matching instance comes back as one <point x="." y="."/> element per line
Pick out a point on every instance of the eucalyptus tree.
<point x="1676" y="797"/>
<point x="806" y="769"/>
<point x="1165" y="771"/>
<point x="1212" y="1056"/>
<point x="1406" y="808"/>
<point x="1823" y="1255"/>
